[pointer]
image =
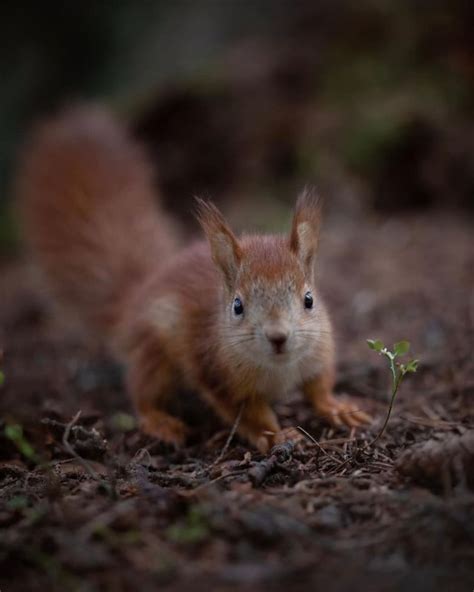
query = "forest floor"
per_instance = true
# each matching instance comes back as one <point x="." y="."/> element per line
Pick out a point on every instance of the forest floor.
<point x="88" y="503"/>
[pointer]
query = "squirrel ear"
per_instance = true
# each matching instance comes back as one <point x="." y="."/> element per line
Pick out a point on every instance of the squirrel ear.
<point x="225" y="248"/>
<point x="305" y="229"/>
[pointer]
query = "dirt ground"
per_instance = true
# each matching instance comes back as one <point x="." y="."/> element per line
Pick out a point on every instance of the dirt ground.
<point x="88" y="503"/>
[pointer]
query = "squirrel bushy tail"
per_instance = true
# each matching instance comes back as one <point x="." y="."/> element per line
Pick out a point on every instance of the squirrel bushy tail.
<point x="89" y="214"/>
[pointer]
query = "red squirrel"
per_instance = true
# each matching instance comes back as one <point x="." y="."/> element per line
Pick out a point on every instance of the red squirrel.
<point x="239" y="320"/>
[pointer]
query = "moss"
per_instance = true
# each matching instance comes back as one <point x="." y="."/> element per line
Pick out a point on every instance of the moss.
<point x="194" y="528"/>
<point x="367" y="143"/>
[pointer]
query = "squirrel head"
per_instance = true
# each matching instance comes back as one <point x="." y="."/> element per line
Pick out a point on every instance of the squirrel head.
<point x="270" y="312"/>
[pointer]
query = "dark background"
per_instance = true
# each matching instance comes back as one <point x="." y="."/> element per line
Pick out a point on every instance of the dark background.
<point x="372" y="101"/>
<point x="246" y="102"/>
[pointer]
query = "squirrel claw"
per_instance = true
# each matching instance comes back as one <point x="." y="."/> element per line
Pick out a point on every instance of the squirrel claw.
<point x="267" y="440"/>
<point x="289" y="434"/>
<point x="342" y="413"/>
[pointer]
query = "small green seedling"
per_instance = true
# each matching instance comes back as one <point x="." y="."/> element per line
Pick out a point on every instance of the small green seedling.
<point x="14" y="433"/>
<point x="397" y="370"/>
<point x="193" y="529"/>
<point x="123" y="422"/>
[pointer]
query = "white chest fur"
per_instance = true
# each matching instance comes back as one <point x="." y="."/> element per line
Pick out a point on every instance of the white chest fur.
<point x="280" y="379"/>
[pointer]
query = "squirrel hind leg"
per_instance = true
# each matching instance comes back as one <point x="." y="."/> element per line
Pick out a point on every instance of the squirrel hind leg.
<point x="163" y="426"/>
<point x="151" y="379"/>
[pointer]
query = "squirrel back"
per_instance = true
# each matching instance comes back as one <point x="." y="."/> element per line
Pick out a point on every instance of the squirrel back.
<point x="89" y="214"/>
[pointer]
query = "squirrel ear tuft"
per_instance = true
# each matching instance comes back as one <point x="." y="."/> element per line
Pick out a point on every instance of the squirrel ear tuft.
<point x="225" y="248"/>
<point x="305" y="229"/>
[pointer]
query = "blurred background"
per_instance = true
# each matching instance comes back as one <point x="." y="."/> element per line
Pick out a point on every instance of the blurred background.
<point x="248" y="101"/>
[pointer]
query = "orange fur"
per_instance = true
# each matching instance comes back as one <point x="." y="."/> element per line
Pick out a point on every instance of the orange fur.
<point x="110" y="256"/>
<point x="86" y="203"/>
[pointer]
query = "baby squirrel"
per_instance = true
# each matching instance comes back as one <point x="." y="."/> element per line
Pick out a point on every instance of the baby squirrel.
<point x="237" y="319"/>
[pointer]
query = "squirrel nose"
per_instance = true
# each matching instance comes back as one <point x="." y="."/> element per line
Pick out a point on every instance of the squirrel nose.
<point x="277" y="338"/>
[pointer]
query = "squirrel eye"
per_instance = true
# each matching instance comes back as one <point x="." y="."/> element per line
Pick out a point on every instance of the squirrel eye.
<point x="308" y="300"/>
<point x="238" y="306"/>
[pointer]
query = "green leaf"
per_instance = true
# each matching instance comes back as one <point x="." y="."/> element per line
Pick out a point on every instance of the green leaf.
<point x="375" y="344"/>
<point x="412" y="366"/>
<point x="17" y="502"/>
<point x="193" y="529"/>
<point x="401" y="348"/>
<point x="123" y="422"/>
<point x="14" y="432"/>
<point x="2" y="378"/>
<point x="26" y="449"/>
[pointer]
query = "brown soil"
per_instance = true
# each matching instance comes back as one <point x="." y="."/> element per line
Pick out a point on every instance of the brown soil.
<point x="96" y="507"/>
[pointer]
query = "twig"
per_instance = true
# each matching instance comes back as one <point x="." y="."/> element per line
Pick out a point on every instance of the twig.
<point x="72" y="452"/>
<point x="208" y="469"/>
<point x="278" y="454"/>
<point x="310" y="437"/>
<point x="429" y="423"/>
<point x="335" y="441"/>
<point x="314" y="441"/>
<point x="235" y="425"/>
<point x="201" y="486"/>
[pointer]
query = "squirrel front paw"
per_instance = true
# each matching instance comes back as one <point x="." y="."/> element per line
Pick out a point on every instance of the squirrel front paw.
<point x="339" y="412"/>
<point x="263" y="442"/>
<point x="267" y="440"/>
<point x="164" y="427"/>
<point x="290" y="434"/>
